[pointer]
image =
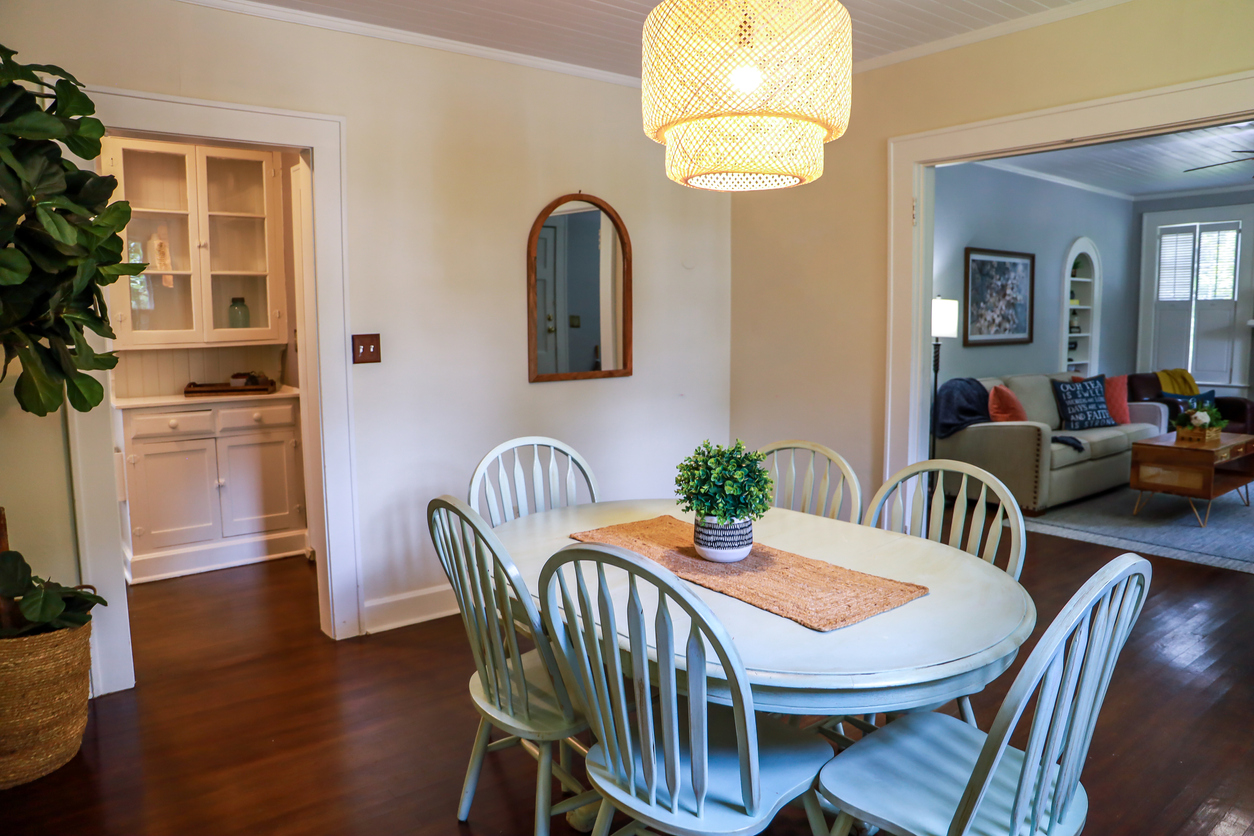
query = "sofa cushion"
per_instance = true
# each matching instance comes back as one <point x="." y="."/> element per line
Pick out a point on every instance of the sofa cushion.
<point x="1060" y="455"/>
<point x="1138" y="432"/>
<point x="1036" y="393"/>
<point x="1102" y="441"/>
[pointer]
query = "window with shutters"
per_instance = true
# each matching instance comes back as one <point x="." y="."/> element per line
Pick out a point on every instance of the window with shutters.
<point x="1198" y="293"/>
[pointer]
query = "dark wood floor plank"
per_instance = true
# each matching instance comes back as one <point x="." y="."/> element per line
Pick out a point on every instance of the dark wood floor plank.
<point x="248" y="720"/>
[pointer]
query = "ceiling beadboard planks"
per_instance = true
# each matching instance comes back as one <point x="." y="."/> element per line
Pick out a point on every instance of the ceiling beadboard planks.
<point x="1153" y="165"/>
<point x="605" y="34"/>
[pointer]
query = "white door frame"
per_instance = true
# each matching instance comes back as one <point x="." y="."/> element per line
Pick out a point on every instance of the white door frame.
<point x="325" y="401"/>
<point x="911" y="164"/>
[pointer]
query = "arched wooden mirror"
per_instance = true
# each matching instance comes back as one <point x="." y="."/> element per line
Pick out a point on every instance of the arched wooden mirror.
<point x="578" y="291"/>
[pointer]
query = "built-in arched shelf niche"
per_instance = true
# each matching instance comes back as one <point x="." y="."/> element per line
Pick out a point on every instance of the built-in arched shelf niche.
<point x="1081" y="308"/>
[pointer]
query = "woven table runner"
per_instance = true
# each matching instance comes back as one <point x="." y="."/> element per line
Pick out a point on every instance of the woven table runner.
<point x="815" y="594"/>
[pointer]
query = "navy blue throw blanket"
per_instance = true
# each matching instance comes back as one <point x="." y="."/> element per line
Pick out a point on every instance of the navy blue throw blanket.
<point x="960" y="403"/>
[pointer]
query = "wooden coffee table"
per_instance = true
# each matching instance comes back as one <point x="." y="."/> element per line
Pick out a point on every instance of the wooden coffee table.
<point x="1193" y="469"/>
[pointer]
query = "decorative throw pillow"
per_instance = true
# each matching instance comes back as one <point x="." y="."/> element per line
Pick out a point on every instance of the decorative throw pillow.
<point x="1200" y="399"/>
<point x="1082" y="405"/>
<point x="1117" y="399"/>
<point x="1004" y="406"/>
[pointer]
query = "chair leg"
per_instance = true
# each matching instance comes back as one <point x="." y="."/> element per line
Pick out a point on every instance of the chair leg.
<point x="814" y="813"/>
<point x="544" y="789"/>
<point x="563" y="757"/>
<point x="968" y="713"/>
<point x="472" y="771"/>
<point x="844" y="823"/>
<point x="605" y="817"/>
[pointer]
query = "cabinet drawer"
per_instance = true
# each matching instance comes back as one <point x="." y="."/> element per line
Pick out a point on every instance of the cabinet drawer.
<point x="171" y="424"/>
<point x="282" y="415"/>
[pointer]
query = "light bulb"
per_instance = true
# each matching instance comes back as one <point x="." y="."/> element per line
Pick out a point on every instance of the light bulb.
<point x="746" y="79"/>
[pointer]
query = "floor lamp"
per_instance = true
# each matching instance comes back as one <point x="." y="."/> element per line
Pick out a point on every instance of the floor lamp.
<point x="944" y="326"/>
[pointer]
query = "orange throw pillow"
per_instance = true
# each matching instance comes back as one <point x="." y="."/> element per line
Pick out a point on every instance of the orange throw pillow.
<point x="1117" y="399"/>
<point x="1004" y="406"/>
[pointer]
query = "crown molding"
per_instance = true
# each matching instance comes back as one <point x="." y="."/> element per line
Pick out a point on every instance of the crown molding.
<point x="1002" y="165"/>
<point x="1006" y="27"/>
<point x="388" y="33"/>
<point x="1249" y="187"/>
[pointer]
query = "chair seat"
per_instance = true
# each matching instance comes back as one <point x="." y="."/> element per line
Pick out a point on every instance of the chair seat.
<point x="908" y="778"/>
<point x="545" y="722"/>
<point x="788" y="760"/>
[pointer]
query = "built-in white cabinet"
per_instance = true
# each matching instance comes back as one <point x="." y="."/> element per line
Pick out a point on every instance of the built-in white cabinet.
<point x="1082" y="308"/>
<point x="208" y="221"/>
<point x="212" y="486"/>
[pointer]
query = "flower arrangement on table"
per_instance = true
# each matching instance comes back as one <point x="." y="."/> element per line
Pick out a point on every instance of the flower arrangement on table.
<point x="1200" y="422"/>
<point x="727" y="489"/>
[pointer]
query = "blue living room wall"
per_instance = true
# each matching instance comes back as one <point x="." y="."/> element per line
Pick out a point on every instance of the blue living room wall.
<point x="984" y="207"/>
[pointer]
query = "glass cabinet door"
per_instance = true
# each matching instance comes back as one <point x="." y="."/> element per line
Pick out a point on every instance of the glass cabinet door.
<point x="159" y="306"/>
<point x="242" y="256"/>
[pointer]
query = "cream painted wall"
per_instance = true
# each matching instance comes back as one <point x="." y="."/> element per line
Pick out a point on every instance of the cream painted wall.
<point x="449" y="158"/>
<point x="809" y="275"/>
<point x="35" y="487"/>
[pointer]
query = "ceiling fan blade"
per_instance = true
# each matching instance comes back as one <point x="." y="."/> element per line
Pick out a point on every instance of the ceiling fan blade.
<point x="1216" y="165"/>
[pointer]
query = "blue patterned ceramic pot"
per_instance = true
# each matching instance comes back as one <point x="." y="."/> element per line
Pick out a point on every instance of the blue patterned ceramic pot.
<point x="723" y="543"/>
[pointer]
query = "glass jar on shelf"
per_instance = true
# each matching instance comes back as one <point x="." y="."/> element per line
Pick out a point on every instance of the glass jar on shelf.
<point x="237" y="314"/>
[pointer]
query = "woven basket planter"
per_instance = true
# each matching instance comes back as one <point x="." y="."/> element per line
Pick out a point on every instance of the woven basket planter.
<point x="43" y="702"/>
<point x="1194" y="434"/>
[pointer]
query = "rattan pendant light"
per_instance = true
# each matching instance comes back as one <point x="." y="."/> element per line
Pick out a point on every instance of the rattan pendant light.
<point x="744" y="93"/>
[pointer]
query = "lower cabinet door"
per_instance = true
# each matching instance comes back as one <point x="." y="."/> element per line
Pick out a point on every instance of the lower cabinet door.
<point x="260" y="486"/>
<point x="176" y="487"/>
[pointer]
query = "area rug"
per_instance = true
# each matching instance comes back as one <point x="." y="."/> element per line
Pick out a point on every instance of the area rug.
<point x="1165" y="527"/>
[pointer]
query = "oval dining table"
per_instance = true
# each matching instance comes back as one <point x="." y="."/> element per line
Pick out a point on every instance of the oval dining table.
<point x="951" y="642"/>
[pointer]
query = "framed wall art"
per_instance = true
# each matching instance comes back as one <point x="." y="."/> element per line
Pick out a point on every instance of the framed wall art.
<point x="997" y="297"/>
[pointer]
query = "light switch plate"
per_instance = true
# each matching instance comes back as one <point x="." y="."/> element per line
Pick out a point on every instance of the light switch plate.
<point x="366" y="348"/>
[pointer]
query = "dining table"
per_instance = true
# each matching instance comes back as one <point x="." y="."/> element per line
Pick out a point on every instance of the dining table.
<point x="951" y="642"/>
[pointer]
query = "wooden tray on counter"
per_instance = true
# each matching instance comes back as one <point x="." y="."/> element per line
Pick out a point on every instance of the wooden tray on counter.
<point x="204" y="390"/>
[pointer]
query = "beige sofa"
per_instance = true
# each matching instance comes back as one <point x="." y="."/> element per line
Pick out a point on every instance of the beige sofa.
<point x="1041" y="472"/>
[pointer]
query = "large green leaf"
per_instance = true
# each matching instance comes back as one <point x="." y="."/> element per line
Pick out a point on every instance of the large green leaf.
<point x="60" y="201"/>
<point x="58" y="226"/>
<point x="113" y="219"/>
<point x="14" y="266"/>
<point x="44" y="175"/>
<point x="83" y="391"/>
<point x="39" y="389"/>
<point x="42" y="604"/>
<point x="14" y="575"/>
<point x="85" y="140"/>
<point x="72" y="101"/>
<point x="35" y="125"/>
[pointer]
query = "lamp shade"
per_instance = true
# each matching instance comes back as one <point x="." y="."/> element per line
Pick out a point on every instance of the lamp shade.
<point x="944" y="318"/>
<point x="744" y="93"/>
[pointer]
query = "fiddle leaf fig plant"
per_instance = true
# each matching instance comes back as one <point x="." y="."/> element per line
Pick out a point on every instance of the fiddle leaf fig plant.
<point x="29" y="604"/>
<point x="59" y="241"/>
<point x="728" y="483"/>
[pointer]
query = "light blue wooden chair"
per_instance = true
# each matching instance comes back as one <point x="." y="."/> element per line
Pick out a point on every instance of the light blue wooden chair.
<point x="677" y="765"/>
<point x="913" y="502"/>
<point x="520" y="693"/>
<point x="550" y="458"/>
<point x="932" y="775"/>
<point x="790" y="461"/>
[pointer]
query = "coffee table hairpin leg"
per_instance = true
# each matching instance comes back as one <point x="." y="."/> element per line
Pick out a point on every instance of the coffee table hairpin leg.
<point x="1201" y="521"/>
<point x="1139" y="505"/>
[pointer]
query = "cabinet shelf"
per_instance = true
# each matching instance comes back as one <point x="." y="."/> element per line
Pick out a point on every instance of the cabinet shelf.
<point x="236" y="215"/>
<point x="147" y="210"/>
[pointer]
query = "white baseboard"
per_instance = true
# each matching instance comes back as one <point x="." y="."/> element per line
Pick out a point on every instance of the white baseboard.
<point x="393" y="611"/>
<point x="218" y="554"/>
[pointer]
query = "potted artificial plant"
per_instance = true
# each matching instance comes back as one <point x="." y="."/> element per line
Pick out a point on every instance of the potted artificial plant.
<point x="727" y="488"/>
<point x="59" y="245"/>
<point x="1200" y="422"/>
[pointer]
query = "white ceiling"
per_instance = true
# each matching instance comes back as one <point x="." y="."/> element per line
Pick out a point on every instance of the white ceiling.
<point x="605" y="34"/>
<point x="1150" y="165"/>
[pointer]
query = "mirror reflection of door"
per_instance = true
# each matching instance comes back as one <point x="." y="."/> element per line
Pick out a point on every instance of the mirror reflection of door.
<point x="580" y="280"/>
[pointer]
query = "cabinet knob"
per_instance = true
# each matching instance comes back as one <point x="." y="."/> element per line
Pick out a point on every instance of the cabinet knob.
<point x="137" y="531"/>
<point x="174" y="424"/>
<point x="257" y="417"/>
<point x="120" y="317"/>
<point x="221" y="483"/>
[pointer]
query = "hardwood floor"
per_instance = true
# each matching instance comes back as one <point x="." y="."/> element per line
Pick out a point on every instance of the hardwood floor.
<point x="246" y="719"/>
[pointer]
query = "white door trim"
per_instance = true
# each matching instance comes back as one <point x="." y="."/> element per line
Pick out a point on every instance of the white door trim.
<point x="911" y="159"/>
<point x="325" y="386"/>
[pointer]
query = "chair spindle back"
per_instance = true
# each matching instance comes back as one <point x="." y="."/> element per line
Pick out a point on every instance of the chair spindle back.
<point x="586" y="634"/>
<point x="790" y="461"/>
<point x="501" y="478"/>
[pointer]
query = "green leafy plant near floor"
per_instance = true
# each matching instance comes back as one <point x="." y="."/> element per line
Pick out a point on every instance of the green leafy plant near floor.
<point x="29" y="604"/>
<point x="59" y="241"/>
<point x="724" y="482"/>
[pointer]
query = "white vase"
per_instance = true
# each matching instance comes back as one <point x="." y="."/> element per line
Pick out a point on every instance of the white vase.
<point x="723" y="543"/>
